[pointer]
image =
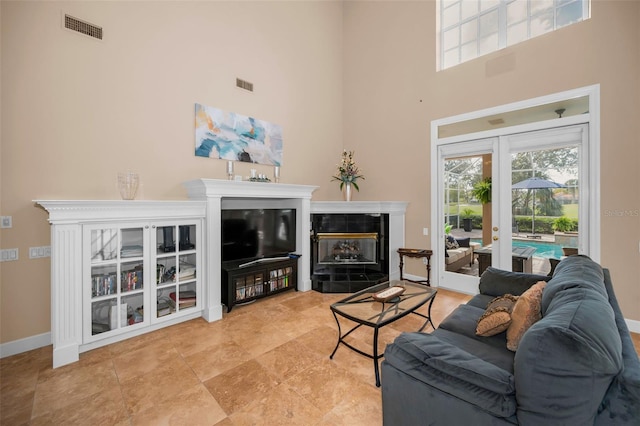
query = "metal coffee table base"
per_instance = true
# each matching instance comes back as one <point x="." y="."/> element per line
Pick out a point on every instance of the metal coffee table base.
<point x="375" y="356"/>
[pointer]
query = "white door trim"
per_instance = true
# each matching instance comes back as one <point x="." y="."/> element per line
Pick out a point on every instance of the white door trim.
<point x="592" y="118"/>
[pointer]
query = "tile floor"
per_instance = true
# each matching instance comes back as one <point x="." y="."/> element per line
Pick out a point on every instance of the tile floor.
<point x="265" y="363"/>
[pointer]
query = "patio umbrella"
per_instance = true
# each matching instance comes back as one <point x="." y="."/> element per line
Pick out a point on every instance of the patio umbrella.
<point x="535" y="183"/>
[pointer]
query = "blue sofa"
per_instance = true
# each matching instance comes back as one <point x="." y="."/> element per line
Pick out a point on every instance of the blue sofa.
<point x="575" y="366"/>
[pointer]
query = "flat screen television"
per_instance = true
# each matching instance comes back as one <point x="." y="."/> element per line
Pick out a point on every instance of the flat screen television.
<point x="250" y="234"/>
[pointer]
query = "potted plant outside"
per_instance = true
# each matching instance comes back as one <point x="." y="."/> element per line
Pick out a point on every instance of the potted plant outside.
<point x="467" y="219"/>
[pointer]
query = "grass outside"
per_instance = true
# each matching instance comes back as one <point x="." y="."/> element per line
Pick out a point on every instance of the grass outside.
<point x="568" y="210"/>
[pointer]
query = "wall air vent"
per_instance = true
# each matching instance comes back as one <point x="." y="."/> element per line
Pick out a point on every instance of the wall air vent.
<point x="243" y="84"/>
<point x="82" y="27"/>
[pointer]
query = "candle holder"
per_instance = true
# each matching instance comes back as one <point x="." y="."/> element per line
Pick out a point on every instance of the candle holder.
<point x="230" y="170"/>
<point x="276" y="174"/>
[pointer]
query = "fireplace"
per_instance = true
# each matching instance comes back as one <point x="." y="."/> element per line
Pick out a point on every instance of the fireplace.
<point x="340" y="248"/>
<point x="349" y="252"/>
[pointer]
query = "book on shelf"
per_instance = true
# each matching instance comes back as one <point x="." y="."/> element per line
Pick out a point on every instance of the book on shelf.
<point x="183" y="295"/>
<point x="187" y="271"/>
<point x="102" y="285"/>
<point x="131" y="251"/>
<point x="163" y="308"/>
<point x="186" y="299"/>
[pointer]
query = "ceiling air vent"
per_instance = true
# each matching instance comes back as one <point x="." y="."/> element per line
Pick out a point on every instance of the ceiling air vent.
<point x="82" y="27"/>
<point x="244" y="84"/>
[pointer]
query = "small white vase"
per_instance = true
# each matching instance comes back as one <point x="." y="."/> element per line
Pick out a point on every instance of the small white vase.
<point x="128" y="185"/>
<point x="346" y="191"/>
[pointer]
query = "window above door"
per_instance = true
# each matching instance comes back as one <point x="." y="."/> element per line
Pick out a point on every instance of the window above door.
<point x="468" y="29"/>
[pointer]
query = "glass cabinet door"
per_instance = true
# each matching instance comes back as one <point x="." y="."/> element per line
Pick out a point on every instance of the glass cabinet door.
<point x="176" y="268"/>
<point x="116" y="277"/>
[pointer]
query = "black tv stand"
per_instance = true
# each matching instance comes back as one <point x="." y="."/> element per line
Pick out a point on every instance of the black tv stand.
<point x="246" y="281"/>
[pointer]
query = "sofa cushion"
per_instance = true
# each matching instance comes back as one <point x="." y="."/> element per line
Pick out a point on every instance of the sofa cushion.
<point x="566" y="362"/>
<point x="480" y="301"/>
<point x="496" y="282"/>
<point x="463" y="242"/>
<point x="450" y="242"/>
<point x="497" y="317"/>
<point x="442" y="365"/>
<point x="525" y="313"/>
<point x="458" y="328"/>
<point x="575" y="271"/>
<point x="457" y="254"/>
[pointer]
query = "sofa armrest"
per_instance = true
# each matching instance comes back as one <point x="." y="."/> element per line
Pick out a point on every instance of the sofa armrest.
<point x="444" y="366"/>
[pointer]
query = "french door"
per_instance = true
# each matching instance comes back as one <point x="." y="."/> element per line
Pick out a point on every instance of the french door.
<point x="549" y="155"/>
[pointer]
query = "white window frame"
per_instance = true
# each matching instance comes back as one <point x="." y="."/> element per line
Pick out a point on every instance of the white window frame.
<point x="501" y="6"/>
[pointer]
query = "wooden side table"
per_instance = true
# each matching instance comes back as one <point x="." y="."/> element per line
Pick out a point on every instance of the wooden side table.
<point x="418" y="253"/>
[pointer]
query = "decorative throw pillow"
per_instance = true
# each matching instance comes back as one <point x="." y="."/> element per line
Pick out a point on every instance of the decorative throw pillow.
<point x="463" y="242"/>
<point x="497" y="316"/>
<point x="525" y="313"/>
<point x="451" y="243"/>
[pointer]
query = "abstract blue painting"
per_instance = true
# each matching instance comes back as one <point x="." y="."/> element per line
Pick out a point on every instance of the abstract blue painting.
<point x="231" y="136"/>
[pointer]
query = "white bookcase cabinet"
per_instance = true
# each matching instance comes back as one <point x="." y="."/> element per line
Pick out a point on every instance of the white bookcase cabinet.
<point x="120" y="269"/>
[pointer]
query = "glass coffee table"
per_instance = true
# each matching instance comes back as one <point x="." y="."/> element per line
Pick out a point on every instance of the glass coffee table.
<point x="362" y="309"/>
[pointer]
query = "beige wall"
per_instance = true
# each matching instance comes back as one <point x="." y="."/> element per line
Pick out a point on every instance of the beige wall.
<point x="76" y="111"/>
<point x="392" y="92"/>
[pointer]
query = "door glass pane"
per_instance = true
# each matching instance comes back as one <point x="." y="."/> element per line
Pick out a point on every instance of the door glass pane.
<point x="104" y="244"/>
<point x="464" y="215"/>
<point x="132" y="242"/>
<point x="544" y="200"/>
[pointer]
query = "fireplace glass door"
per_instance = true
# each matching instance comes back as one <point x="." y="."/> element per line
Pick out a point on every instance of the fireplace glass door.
<point x="336" y="248"/>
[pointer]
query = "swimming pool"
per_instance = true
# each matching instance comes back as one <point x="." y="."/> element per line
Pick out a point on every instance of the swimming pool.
<point x="545" y="250"/>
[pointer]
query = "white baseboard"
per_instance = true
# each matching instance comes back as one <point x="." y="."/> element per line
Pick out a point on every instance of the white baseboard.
<point x="634" y="326"/>
<point x="25" y="345"/>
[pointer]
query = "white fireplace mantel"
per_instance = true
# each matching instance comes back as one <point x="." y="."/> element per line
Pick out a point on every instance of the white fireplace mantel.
<point x="220" y="194"/>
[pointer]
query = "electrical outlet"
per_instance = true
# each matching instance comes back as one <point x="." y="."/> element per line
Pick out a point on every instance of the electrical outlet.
<point x="8" y="255"/>
<point x="38" y="252"/>
<point x="425" y="231"/>
<point x="6" y="222"/>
